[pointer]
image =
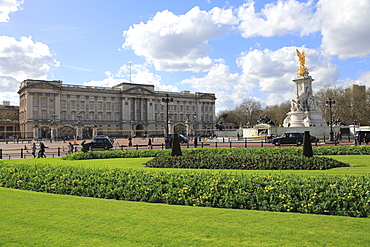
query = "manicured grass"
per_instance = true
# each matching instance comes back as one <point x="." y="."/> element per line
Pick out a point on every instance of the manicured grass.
<point x="40" y="219"/>
<point x="360" y="165"/>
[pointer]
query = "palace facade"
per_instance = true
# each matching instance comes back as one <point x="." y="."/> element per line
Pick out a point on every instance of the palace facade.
<point x="51" y="109"/>
<point x="9" y="124"/>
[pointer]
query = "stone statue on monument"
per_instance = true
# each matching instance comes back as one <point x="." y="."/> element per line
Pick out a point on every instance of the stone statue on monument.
<point x="304" y="111"/>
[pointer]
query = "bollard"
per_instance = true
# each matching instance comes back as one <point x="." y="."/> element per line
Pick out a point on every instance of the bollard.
<point x="58" y="151"/>
<point x="137" y="146"/>
<point x="324" y="138"/>
<point x="261" y="144"/>
<point x="245" y="143"/>
<point x="223" y="139"/>
<point x="230" y="143"/>
<point x="216" y="144"/>
<point x="1" y="154"/>
<point x="53" y="155"/>
<point x="21" y="153"/>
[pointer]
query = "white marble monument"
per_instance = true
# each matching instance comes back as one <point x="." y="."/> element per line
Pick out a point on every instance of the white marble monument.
<point x="304" y="111"/>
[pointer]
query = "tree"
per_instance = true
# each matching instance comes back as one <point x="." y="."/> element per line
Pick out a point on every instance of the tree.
<point x="250" y="111"/>
<point x="277" y="113"/>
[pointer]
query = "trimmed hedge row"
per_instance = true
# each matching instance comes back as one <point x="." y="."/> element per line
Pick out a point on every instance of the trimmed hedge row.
<point x="321" y="194"/>
<point x="322" y="150"/>
<point x="245" y="162"/>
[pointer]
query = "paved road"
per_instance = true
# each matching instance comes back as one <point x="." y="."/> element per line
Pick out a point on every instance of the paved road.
<point x="13" y="150"/>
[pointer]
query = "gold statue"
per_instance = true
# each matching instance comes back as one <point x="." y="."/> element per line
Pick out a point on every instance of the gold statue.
<point x="302" y="61"/>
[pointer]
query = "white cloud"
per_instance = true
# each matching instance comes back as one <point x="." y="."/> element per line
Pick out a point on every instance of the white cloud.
<point x="345" y="27"/>
<point x="140" y="74"/>
<point x="277" y="19"/>
<point x="363" y="80"/>
<point x="172" y="42"/>
<point x="8" y="6"/>
<point x="21" y="60"/>
<point x="272" y="71"/>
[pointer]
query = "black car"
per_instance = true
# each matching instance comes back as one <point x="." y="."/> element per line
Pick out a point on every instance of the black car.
<point x="292" y="138"/>
<point x="182" y="138"/>
<point x="100" y="142"/>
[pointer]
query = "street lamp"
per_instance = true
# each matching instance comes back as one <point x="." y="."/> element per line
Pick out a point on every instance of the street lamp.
<point x="354" y="129"/>
<point x="166" y="101"/>
<point x="330" y="103"/>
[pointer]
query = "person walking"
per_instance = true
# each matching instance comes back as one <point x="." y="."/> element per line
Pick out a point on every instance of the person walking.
<point x="34" y="150"/>
<point x="150" y="143"/>
<point x="42" y="151"/>
<point x="70" y="148"/>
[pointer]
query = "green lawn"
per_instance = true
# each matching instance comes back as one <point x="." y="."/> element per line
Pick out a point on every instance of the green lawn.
<point x="40" y="219"/>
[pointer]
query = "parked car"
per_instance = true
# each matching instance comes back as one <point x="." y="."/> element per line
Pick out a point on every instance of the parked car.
<point x="104" y="136"/>
<point x="182" y="138"/>
<point x="292" y="138"/>
<point x="100" y="142"/>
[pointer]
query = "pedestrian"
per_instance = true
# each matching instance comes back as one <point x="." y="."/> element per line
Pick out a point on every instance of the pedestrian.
<point x="150" y="143"/>
<point x="34" y="149"/>
<point x="42" y="151"/>
<point x="366" y="139"/>
<point x="70" y="148"/>
<point x="130" y="141"/>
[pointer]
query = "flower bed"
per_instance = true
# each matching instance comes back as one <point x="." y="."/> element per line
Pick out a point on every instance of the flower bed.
<point x="322" y="194"/>
<point x="296" y="151"/>
<point x="249" y="162"/>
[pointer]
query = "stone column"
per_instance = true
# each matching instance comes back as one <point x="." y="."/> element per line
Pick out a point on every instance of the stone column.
<point x="36" y="132"/>
<point x="95" y="130"/>
<point x="54" y="131"/>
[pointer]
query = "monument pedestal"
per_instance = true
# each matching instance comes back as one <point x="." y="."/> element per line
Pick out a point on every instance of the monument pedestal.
<point x="304" y="111"/>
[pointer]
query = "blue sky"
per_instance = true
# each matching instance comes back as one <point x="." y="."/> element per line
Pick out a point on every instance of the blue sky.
<point x="236" y="49"/>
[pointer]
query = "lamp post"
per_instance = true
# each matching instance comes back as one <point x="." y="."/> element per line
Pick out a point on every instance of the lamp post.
<point x="354" y="129"/>
<point x="330" y="103"/>
<point x="166" y="101"/>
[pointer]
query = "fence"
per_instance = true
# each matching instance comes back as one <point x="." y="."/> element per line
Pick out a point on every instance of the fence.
<point x="58" y="149"/>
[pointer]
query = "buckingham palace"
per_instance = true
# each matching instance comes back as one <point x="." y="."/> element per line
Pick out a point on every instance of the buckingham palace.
<point x="51" y="109"/>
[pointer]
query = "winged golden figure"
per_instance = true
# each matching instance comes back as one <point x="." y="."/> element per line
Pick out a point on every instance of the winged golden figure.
<point x="302" y="61"/>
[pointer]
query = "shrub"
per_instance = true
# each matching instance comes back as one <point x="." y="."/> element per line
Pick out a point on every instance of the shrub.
<point x="295" y="151"/>
<point x="320" y="194"/>
<point x="250" y="162"/>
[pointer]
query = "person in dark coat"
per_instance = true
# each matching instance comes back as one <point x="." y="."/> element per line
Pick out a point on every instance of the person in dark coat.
<point x="149" y="143"/>
<point x="42" y="151"/>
